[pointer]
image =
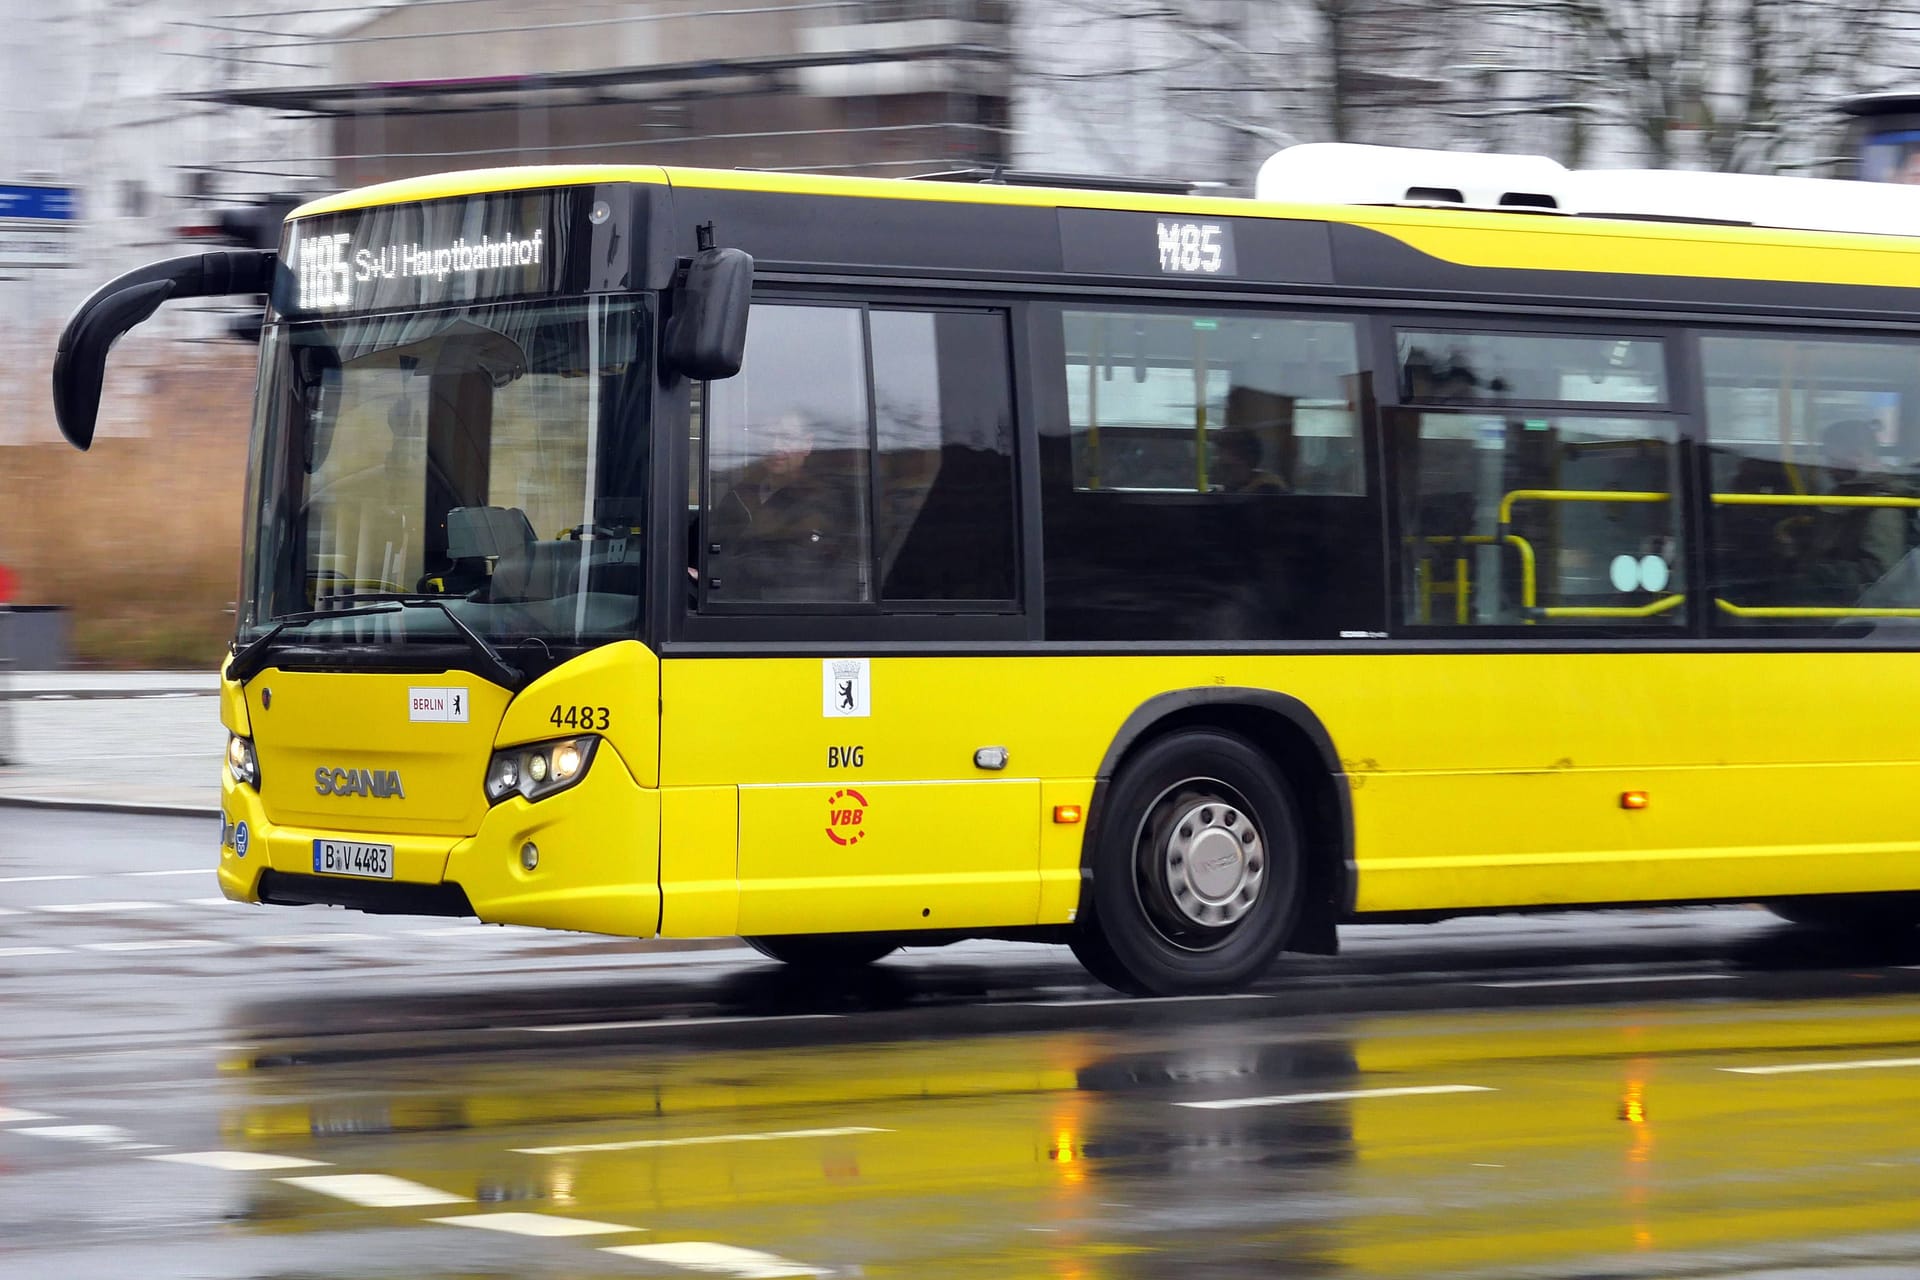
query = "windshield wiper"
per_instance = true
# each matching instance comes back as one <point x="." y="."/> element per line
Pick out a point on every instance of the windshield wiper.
<point x="252" y="659"/>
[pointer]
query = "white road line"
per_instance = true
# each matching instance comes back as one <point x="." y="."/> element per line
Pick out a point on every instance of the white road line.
<point x="238" y="1161"/>
<point x="11" y="911"/>
<point x="145" y="905"/>
<point x="6" y="952"/>
<point x="307" y="939"/>
<point x="1290" y="1099"/>
<point x="1602" y="982"/>
<point x="717" y="1259"/>
<point x="98" y="1134"/>
<point x="210" y="902"/>
<point x="535" y="1224"/>
<point x="160" y="944"/>
<point x="375" y="1190"/>
<point x="37" y="879"/>
<point x="13" y="1115"/>
<point x="558" y="1028"/>
<point x="183" y="871"/>
<point x="702" y="1141"/>
<point x="1858" y="1064"/>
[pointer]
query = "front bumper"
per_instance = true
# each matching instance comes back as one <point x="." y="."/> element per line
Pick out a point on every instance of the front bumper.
<point x="597" y="871"/>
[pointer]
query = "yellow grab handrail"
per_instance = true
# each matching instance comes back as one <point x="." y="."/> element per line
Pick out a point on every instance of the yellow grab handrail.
<point x="1811" y="500"/>
<point x="1809" y="611"/>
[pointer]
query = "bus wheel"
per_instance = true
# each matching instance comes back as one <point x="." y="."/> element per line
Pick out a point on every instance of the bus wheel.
<point x="1862" y="912"/>
<point x="822" y="950"/>
<point x="1196" y="874"/>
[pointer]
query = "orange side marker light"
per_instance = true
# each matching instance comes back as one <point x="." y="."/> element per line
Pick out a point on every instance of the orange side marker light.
<point x="1066" y="814"/>
<point x="1633" y="800"/>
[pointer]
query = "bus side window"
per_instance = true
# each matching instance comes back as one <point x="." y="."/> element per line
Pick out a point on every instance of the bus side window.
<point x="1813" y="492"/>
<point x="943" y="399"/>
<point x="1518" y="514"/>
<point x="788" y="450"/>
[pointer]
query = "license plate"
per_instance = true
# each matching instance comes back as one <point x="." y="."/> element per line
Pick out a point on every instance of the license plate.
<point x="351" y="858"/>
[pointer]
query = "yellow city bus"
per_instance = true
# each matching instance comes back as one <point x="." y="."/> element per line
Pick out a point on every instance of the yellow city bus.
<point x="847" y="563"/>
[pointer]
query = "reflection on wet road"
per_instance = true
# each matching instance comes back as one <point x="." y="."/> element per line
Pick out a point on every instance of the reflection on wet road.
<point x="1695" y="1093"/>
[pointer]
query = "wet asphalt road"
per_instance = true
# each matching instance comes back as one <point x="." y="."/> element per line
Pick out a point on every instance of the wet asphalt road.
<point x="192" y="1088"/>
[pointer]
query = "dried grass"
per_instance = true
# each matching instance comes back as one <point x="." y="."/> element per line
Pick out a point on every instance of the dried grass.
<point x="140" y="537"/>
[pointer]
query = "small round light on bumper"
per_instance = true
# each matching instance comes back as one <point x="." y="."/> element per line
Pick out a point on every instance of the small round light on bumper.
<point x="530" y="855"/>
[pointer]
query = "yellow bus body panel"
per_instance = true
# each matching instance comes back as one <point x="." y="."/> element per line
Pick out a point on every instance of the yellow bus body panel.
<point x="1476" y="780"/>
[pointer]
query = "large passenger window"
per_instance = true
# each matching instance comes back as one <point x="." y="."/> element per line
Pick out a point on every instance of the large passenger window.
<point x="1814" y="486"/>
<point x="1179" y="403"/>
<point x="1519" y="514"/>
<point x="822" y="492"/>
<point x="1204" y="478"/>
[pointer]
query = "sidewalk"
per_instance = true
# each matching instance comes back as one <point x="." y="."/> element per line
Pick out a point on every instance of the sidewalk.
<point x="138" y="741"/>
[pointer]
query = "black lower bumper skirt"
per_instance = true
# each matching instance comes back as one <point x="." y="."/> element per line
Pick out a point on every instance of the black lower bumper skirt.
<point x="376" y="897"/>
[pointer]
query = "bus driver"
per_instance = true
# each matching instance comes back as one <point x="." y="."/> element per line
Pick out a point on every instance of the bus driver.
<point x="782" y="528"/>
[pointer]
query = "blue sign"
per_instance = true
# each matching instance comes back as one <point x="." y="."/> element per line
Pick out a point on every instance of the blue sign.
<point x="43" y="204"/>
<point x="240" y="840"/>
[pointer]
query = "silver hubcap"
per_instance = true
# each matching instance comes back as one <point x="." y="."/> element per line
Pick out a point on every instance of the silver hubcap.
<point x="1214" y="862"/>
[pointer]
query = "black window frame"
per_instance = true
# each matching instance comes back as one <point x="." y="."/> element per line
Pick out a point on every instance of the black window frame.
<point x="1682" y="407"/>
<point x="803" y="627"/>
<point x="1865" y="634"/>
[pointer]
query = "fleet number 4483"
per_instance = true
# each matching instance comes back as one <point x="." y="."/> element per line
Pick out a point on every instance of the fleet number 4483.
<point x="581" y="717"/>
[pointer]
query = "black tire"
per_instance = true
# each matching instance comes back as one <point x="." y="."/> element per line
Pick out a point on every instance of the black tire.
<point x="1196" y="869"/>
<point x="822" y="950"/>
<point x="1872" y="913"/>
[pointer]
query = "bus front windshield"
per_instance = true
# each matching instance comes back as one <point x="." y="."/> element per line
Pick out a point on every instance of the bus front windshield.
<point x="489" y="460"/>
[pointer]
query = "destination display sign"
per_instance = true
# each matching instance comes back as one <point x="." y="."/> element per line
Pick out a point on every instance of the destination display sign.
<point x="444" y="252"/>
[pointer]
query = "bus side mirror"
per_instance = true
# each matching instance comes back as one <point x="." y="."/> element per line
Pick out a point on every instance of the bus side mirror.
<point x="707" y="334"/>
<point x="80" y="361"/>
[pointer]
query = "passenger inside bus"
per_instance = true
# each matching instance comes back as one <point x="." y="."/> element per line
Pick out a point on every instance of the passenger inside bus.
<point x="1848" y="549"/>
<point x="781" y="525"/>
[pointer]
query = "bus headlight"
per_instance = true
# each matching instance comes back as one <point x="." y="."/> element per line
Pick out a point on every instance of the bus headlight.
<point x="538" y="769"/>
<point x="241" y="762"/>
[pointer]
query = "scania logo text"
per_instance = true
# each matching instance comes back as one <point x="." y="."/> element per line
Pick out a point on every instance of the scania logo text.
<point x="381" y="784"/>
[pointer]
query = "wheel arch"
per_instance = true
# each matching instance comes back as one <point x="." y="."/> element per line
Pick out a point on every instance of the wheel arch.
<point x="1288" y="732"/>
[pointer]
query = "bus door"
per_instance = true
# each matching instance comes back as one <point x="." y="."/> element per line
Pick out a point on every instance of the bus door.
<point x="857" y="486"/>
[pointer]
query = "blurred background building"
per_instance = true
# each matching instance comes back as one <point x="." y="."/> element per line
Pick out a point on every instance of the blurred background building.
<point x="133" y="129"/>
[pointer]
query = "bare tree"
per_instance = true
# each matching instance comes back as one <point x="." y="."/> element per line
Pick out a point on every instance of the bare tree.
<point x="1738" y="85"/>
<point x="1748" y="85"/>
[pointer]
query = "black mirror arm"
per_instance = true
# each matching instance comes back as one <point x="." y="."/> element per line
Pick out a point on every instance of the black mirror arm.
<point x="80" y="360"/>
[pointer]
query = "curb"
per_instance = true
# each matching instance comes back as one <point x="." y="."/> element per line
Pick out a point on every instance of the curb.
<point x="109" y="806"/>
<point x="98" y="695"/>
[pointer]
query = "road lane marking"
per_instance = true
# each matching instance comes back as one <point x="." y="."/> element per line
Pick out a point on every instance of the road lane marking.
<point x="1601" y="982"/>
<point x="1290" y="1099"/>
<point x="211" y="902"/>
<point x="11" y="911"/>
<point x="1858" y="1064"/>
<point x="6" y="952"/>
<point x="238" y="1161"/>
<point x="13" y="1115"/>
<point x="39" y="879"/>
<point x="717" y="1259"/>
<point x="535" y="1224"/>
<point x="557" y="1028"/>
<point x="375" y="1190"/>
<point x="703" y="1141"/>
<point x="183" y="871"/>
<point x="97" y="1134"/>
<point x="143" y="905"/>
<point x="159" y="944"/>
<point x="307" y="939"/>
